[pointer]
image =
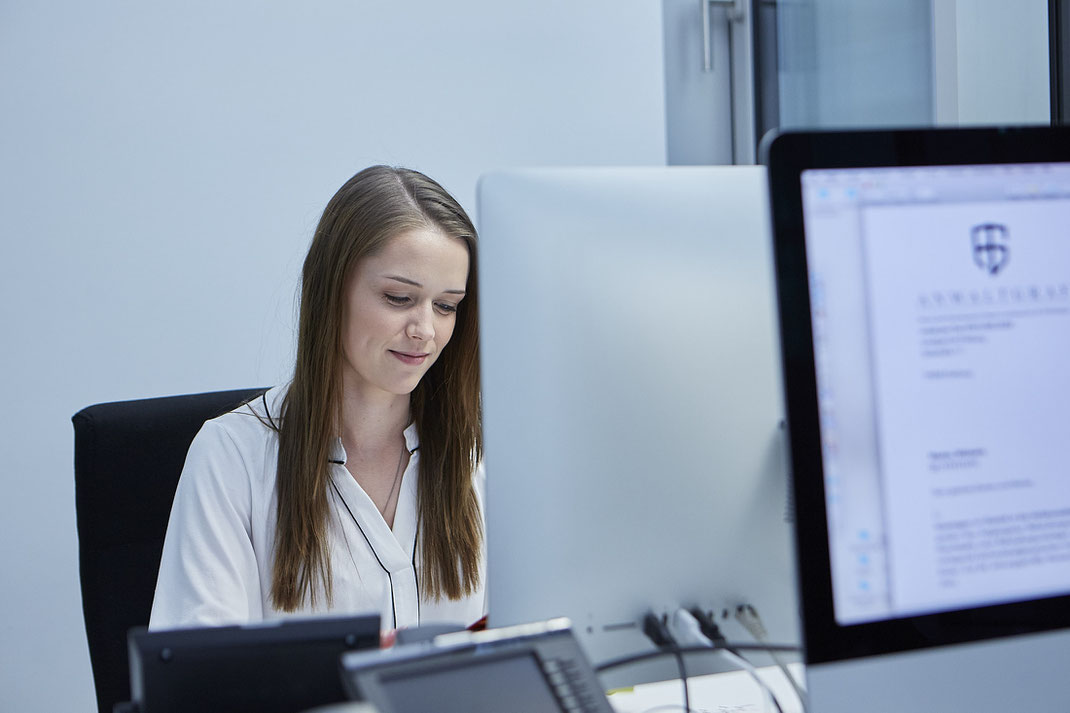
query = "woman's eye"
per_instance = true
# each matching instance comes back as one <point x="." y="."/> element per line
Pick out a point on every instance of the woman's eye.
<point x="446" y="307"/>
<point x="396" y="299"/>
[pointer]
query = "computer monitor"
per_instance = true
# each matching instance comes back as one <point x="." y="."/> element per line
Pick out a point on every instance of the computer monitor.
<point x="283" y="666"/>
<point x="924" y="299"/>
<point x="632" y="406"/>
<point x="532" y="668"/>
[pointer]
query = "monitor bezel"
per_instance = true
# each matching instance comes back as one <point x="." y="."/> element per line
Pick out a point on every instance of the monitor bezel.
<point x="163" y="661"/>
<point x="372" y="684"/>
<point x="787" y="155"/>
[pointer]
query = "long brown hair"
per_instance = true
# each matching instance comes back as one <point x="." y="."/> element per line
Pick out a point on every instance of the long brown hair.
<point x="370" y="209"/>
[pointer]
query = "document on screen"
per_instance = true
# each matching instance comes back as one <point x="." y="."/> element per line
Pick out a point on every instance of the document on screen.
<point x="968" y="308"/>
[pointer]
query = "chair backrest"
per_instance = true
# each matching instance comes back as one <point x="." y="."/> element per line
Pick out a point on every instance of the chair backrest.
<point x="127" y="459"/>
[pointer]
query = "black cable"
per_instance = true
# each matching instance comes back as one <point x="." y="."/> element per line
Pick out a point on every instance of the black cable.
<point x="658" y="632"/>
<point x="647" y="655"/>
<point x="679" y="651"/>
<point x="683" y="677"/>
<point x="710" y="629"/>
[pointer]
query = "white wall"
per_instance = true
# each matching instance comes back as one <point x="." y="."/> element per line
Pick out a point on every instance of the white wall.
<point x="162" y="166"/>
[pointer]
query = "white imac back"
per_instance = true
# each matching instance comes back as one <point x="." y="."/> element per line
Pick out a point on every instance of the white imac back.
<point x="633" y="411"/>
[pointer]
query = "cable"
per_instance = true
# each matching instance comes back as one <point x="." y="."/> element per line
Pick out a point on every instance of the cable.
<point x="647" y="655"/>
<point x="658" y="632"/>
<point x="682" y="650"/>
<point x="767" y="693"/>
<point x="694" y="635"/>
<point x="683" y="678"/>
<point x="748" y="617"/>
<point x="703" y="629"/>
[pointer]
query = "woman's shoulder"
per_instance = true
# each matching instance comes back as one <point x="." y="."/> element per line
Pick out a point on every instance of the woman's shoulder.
<point x="239" y="446"/>
<point x="256" y="418"/>
<point x="246" y="430"/>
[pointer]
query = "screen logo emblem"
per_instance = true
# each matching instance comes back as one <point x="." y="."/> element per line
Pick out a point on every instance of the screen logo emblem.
<point x="990" y="249"/>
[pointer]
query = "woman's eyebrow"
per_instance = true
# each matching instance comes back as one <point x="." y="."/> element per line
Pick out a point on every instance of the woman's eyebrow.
<point x="414" y="283"/>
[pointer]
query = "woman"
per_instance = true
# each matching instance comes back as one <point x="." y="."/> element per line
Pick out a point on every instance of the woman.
<point x="356" y="488"/>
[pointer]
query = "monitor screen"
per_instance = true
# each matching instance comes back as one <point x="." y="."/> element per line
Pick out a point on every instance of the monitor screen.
<point x="940" y="308"/>
<point x="924" y="306"/>
<point x="515" y="679"/>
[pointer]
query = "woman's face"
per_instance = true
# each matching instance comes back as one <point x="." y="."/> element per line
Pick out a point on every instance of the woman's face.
<point x="400" y="311"/>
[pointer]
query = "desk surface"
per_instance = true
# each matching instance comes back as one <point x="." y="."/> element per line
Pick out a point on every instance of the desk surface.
<point x="731" y="692"/>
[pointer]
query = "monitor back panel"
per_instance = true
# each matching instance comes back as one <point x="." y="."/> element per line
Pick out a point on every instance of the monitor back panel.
<point x="272" y="667"/>
<point x="633" y="420"/>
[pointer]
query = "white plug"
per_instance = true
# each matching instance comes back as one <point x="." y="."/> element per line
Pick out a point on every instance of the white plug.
<point x="686" y="630"/>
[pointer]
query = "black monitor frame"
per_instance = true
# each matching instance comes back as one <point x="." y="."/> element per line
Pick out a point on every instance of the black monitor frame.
<point x="787" y="155"/>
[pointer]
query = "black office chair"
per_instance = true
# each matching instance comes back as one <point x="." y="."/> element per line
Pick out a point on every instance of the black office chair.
<point x="127" y="459"/>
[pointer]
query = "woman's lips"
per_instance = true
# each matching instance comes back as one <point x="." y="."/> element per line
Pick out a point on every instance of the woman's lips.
<point x="410" y="358"/>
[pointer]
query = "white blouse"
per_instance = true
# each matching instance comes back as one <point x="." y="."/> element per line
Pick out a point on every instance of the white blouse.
<point x="218" y="555"/>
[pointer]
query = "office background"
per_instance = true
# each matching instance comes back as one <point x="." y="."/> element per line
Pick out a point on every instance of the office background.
<point x="163" y="167"/>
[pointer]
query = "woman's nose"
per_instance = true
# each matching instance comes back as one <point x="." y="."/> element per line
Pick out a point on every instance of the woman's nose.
<point x="421" y="326"/>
